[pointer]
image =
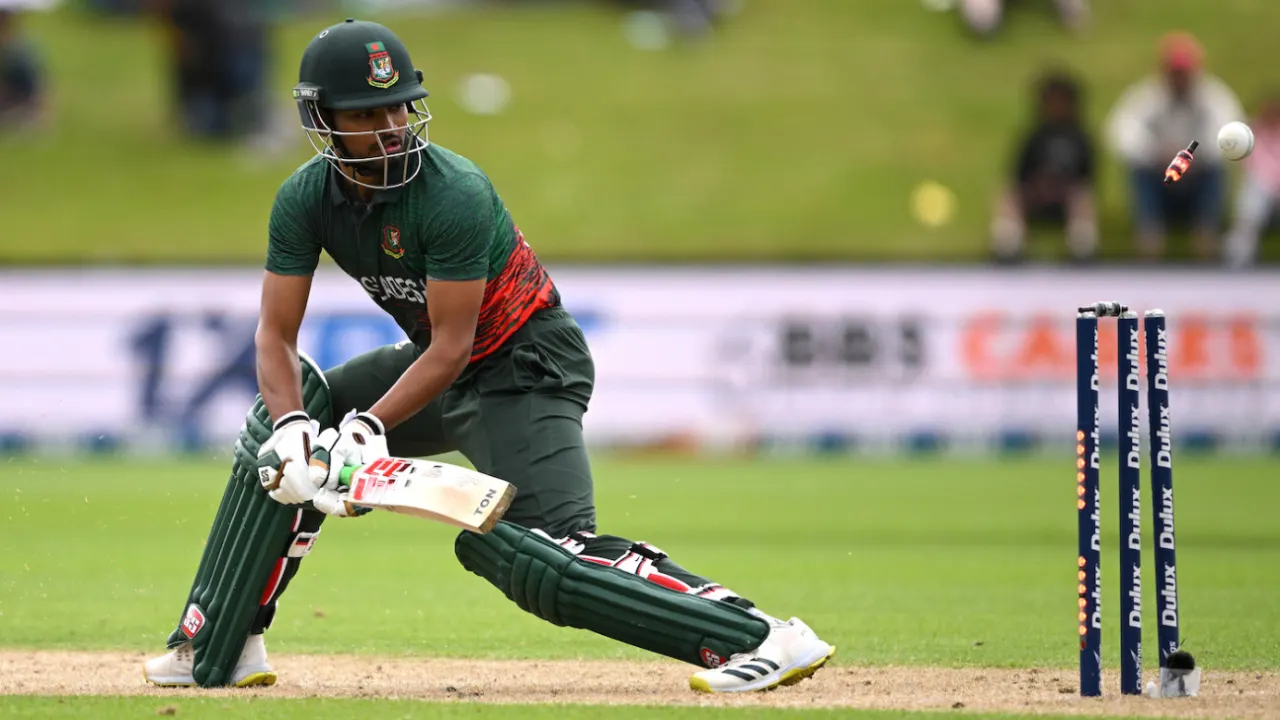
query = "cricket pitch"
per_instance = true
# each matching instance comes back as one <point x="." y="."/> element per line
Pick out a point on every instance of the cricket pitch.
<point x="596" y="682"/>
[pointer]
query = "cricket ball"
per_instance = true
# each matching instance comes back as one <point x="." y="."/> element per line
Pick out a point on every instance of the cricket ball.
<point x="1235" y="140"/>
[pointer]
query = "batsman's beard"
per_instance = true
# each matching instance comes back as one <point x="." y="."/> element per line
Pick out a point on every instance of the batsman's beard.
<point x="389" y="167"/>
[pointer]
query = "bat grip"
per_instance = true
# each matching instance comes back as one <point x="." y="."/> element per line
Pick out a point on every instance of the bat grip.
<point x="320" y="458"/>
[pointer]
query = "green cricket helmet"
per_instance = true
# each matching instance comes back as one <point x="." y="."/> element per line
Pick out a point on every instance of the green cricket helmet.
<point x="358" y="65"/>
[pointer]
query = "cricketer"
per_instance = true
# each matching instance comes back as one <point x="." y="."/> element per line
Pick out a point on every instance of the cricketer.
<point x="494" y="367"/>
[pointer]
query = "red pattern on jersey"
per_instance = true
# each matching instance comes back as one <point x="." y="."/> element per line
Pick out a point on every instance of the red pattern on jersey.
<point x="521" y="289"/>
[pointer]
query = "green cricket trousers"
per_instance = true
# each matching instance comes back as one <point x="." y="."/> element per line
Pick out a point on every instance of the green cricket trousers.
<point x="516" y="415"/>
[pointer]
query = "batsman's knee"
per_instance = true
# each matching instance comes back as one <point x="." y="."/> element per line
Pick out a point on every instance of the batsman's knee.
<point x="554" y="581"/>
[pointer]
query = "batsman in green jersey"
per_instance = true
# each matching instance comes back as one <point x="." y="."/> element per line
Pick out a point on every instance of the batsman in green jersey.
<point x="494" y="367"/>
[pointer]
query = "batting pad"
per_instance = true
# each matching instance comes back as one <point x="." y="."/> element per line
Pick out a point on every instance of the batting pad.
<point x="545" y="579"/>
<point x="251" y="534"/>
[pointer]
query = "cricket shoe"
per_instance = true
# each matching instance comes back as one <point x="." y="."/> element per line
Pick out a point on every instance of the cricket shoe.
<point x="788" y="655"/>
<point x="175" y="668"/>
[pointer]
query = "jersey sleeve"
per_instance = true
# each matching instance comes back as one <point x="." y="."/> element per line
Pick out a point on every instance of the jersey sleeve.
<point x="293" y="247"/>
<point x="460" y="237"/>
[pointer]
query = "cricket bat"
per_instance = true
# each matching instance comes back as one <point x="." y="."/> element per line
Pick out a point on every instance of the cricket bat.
<point x="427" y="489"/>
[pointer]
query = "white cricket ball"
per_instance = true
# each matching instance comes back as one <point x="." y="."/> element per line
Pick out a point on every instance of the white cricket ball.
<point x="1235" y="139"/>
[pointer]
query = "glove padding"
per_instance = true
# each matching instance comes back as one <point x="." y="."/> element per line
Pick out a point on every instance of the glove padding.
<point x="359" y="441"/>
<point x="292" y="438"/>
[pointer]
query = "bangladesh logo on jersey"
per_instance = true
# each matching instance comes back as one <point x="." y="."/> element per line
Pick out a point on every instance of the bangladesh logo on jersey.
<point x="382" y="74"/>
<point x="391" y="242"/>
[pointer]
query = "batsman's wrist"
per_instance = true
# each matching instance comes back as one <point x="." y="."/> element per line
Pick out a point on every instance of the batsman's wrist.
<point x="372" y="421"/>
<point x="289" y="418"/>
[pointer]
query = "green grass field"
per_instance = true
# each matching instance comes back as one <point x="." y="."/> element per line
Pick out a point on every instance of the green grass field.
<point x="797" y="133"/>
<point x="952" y="563"/>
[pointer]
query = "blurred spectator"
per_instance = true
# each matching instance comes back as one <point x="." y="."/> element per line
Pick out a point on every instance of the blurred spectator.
<point x="1053" y="176"/>
<point x="1154" y="119"/>
<point x="220" y="64"/>
<point x="689" y="18"/>
<point x="1256" y="202"/>
<point x="22" y="88"/>
<point x="116" y="8"/>
<point x="985" y="17"/>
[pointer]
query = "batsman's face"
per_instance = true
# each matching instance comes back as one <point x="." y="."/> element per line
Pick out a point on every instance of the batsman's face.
<point x="373" y="132"/>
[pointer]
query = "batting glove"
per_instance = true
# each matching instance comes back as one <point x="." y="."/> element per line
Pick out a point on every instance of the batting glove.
<point x="334" y="502"/>
<point x="359" y="440"/>
<point x="283" y="460"/>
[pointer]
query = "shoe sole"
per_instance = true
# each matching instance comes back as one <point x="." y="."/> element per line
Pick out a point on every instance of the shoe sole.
<point x="258" y="679"/>
<point x="790" y="677"/>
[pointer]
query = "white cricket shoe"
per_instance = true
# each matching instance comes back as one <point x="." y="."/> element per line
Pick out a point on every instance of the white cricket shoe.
<point x="790" y="654"/>
<point x="175" y="668"/>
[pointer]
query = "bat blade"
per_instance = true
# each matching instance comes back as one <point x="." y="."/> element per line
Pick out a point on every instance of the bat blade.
<point x="431" y="490"/>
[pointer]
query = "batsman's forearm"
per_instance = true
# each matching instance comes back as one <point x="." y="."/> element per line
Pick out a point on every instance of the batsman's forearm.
<point x="279" y="376"/>
<point x="423" y="382"/>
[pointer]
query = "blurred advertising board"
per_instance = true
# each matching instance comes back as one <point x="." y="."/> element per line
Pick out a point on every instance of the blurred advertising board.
<point x="878" y="357"/>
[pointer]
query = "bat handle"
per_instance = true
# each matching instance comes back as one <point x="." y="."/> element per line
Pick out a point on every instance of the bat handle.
<point x="320" y="458"/>
<point x="344" y="475"/>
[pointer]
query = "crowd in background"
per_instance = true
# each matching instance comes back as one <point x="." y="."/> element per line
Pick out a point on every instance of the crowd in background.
<point x="1053" y="180"/>
<point x="220" y="52"/>
<point x="220" y="59"/>
<point x="21" y="76"/>
<point x="986" y="17"/>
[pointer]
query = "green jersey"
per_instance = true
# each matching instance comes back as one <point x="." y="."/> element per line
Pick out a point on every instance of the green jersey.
<point x="448" y="223"/>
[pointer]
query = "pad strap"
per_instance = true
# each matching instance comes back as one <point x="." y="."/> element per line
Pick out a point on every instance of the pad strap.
<point x="643" y="560"/>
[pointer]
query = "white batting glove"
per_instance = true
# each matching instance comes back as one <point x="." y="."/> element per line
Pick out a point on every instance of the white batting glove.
<point x="288" y="478"/>
<point x="359" y="441"/>
<point x="325" y="467"/>
<point x="332" y="502"/>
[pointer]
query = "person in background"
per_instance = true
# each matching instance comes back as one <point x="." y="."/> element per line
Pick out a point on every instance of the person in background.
<point x="1255" y="206"/>
<point x="219" y="65"/>
<point x="985" y="17"/>
<point x="690" y="19"/>
<point x="1155" y="118"/>
<point x="1053" y="176"/>
<point x="22" y="86"/>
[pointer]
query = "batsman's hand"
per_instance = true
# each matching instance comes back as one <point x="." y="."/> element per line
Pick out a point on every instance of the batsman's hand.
<point x="359" y="440"/>
<point x="283" y="460"/>
<point x="334" y="502"/>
